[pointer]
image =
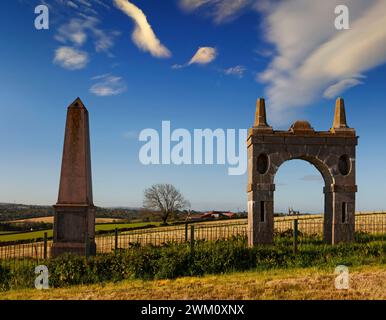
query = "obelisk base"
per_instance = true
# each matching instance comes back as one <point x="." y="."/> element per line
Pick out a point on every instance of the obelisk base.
<point x="74" y="230"/>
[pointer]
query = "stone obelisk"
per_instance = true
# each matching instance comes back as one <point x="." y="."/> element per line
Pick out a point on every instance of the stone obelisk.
<point x="74" y="221"/>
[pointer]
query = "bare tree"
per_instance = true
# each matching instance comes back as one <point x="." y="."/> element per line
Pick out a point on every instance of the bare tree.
<point x="165" y="198"/>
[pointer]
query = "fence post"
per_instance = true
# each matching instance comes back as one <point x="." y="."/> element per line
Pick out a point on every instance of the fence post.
<point x="295" y="226"/>
<point x="45" y="246"/>
<point x="116" y="241"/>
<point x="36" y="250"/>
<point x="186" y="232"/>
<point x="87" y="247"/>
<point x="191" y="238"/>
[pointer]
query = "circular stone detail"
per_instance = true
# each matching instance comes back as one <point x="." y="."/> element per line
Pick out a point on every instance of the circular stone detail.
<point x="344" y="165"/>
<point x="262" y="163"/>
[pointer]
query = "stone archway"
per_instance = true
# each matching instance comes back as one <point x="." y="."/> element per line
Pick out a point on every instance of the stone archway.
<point x="331" y="152"/>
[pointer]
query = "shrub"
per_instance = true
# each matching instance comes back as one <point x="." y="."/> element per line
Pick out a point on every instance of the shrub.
<point x="141" y="262"/>
<point x="106" y="268"/>
<point x="5" y="273"/>
<point x="68" y="270"/>
<point x="175" y="260"/>
<point x="23" y="275"/>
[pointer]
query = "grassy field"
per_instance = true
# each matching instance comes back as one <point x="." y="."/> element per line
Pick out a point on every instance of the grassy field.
<point x="51" y="220"/>
<point x="108" y="227"/>
<point x="308" y="224"/>
<point x="366" y="282"/>
<point x="24" y="235"/>
<point x="6" y="237"/>
<point x="99" y="227"/>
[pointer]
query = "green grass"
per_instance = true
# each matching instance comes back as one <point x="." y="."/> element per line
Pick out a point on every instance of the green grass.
<point x="24" y="236"/>
<point x="4" y="237"/>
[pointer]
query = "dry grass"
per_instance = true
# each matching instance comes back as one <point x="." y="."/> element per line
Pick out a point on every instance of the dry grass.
<point x="367" y="282"/>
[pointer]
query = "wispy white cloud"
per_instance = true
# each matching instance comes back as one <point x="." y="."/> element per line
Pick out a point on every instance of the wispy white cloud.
<point x="235" y="71"/>
<point x="334" y="90"/>
<point x="178" y="66"/>
<point x="264" y="52"/>
<point x="108" y="85"/>
<point x="191" y="5"/>
<point x="70" y="58"/>
<point x="80" y="23"/>
<point x="72" y="4"/>
<point x="102" y="3"/>
<point x="312" y="57"/>
<point x="78" y="30"/>
<point x="203" y="55"/>
<point x="85" y="6"/>
<point x="220" y="10"/>
<point x="143" y="35"/>
<point x="85" y="3"/>
<point x="74" y="31"/>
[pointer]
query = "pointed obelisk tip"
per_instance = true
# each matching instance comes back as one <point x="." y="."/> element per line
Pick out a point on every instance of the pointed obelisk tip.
<point x="340" y="115"/>
<point x="261" y="116"/>
<point x="77" y="103"/>
<point x="339" y="102"/>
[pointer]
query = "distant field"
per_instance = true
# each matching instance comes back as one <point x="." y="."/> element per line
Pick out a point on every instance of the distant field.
<point x="51" y="220"/>
<point x="373" y="222"/>
<point x="6" y="237"/>
<point x="108" y="227"/>
<point x="24" y="236"/>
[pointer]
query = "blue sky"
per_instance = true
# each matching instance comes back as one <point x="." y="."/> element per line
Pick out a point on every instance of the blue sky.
<point x="136" y="64"/>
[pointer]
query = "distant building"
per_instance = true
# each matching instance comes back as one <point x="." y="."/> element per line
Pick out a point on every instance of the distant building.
<point x="292" y="212"/>
<point x="213" y="215"/>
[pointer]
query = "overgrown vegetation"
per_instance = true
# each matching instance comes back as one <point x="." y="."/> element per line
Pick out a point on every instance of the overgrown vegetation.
<point x="177" y="260"/>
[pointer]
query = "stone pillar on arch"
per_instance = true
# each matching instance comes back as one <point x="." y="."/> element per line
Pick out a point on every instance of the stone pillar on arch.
<point x="260" y="187"/>
<point x="260" y="214"/>
<point x="328" y="215"/>
<point x="344" y="188"/>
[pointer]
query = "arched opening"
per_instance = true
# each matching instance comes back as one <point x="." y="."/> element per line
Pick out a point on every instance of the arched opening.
<point x="299" y="196"/>
<point x="298" y="185"/>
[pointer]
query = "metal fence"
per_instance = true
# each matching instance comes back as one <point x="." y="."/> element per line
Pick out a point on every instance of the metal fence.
<point x="306" y="229"/>
<point x="178" y="234"/>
